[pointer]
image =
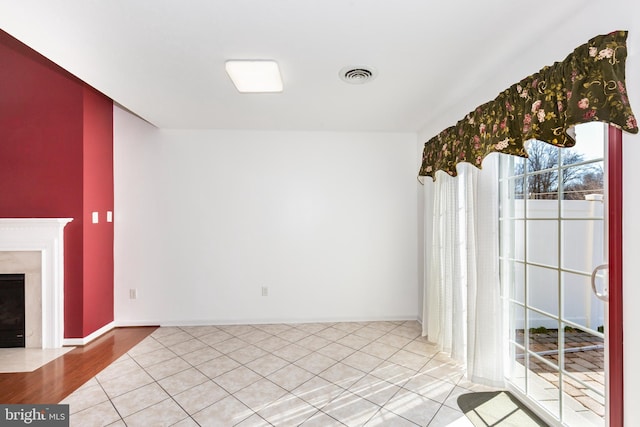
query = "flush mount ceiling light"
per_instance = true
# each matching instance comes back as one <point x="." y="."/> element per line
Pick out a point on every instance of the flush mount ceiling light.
<point x="357" y="74"/>
<point x="254" y="76"/>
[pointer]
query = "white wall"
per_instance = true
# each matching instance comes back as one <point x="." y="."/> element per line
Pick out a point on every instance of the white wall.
<point x="205" y="219"/>
<point x="425" y="222"/>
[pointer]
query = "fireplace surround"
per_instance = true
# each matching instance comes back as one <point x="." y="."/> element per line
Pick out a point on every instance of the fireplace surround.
<point x="35" y="247"/>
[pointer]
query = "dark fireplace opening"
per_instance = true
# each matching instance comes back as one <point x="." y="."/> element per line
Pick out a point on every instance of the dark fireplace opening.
<point x="12" y="310"/>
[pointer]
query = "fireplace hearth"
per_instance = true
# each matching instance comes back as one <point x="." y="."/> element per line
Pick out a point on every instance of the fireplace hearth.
<point x="12" y="310"/>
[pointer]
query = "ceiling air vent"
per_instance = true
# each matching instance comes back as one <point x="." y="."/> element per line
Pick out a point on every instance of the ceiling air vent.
<point x="357" y="75"/>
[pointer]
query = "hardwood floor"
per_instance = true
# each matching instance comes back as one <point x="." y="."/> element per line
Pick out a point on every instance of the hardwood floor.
<point x="59" y="378"/>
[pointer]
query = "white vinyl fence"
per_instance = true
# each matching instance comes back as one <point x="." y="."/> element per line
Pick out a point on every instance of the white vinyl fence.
<point x="575" y="243"/>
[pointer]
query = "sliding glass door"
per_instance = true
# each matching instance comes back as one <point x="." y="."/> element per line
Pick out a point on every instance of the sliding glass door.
<point x="554" y="238"/>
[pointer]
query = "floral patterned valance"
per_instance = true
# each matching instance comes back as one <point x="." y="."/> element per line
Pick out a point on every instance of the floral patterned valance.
<point x="589" y="85"/>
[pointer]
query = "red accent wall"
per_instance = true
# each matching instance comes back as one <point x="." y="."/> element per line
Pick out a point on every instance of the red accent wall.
<point x="98" y="197"/>
<point x="56" y="138"/>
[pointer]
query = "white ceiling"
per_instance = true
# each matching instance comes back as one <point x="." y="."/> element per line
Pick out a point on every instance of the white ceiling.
<point x="164" y="59"/>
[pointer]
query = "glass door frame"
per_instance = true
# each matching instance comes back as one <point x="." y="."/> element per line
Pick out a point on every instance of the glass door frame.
<point x="614" y="334"/>
<point x="614" y="379"/>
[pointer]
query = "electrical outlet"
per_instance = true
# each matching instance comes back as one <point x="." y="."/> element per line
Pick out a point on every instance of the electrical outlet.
<point x="133" y="294"/>
<point x="265" y="291"/>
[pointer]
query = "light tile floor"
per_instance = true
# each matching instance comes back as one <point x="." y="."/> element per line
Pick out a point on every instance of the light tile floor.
<point x="320" y="374"/>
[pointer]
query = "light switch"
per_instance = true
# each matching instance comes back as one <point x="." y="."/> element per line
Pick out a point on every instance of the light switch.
<point x="109" y="216"/>
<point x="94" y="217"/>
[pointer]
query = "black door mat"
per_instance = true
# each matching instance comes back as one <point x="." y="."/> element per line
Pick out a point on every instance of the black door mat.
<point x="497" y="408"/>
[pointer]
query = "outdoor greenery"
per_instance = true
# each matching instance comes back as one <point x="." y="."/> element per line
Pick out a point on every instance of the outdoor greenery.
<point x="539" y="330"/>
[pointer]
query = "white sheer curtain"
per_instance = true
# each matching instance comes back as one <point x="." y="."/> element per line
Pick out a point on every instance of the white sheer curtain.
<point x="462" y="309"/>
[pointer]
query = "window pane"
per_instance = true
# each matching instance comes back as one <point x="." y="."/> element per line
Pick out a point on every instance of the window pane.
<point x="516" y="188"/>
<point x="581" y="406"/>
<point x="516" y="321"/>
<point x="584" y="356"/>
<point x="579" y="304"/>
<point x="542" y="287"/>
<point x="584" y="385"/>
<point x="518" y="164"/>
<point x="542" y="186"/>
<point x="542" y="242"/>
<point x="544" y="385"/>
<point x="542" y="156"/>
<point x="583" y="181"/>
<point x="589" y="143"/>
<point x="582" y="245"/>
<point x="590" y="206"/>
<point x="516" y="368"/>
<point x="512" y="279"/>
<point x="517" y="288"/>
<point x="518" y="240"/>
<point x="512" y="190"/>
<point x="543" y="336"/>
<point x="512" y="239"/>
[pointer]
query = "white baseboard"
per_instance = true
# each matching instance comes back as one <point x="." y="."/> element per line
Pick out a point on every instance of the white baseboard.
<point x="133" y="323"/>
<point x="220" y="322"/>
<point x="92" y="336"/>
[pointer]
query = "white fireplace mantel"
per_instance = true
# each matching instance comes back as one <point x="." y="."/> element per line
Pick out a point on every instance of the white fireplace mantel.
<point x="46" y="236"/>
